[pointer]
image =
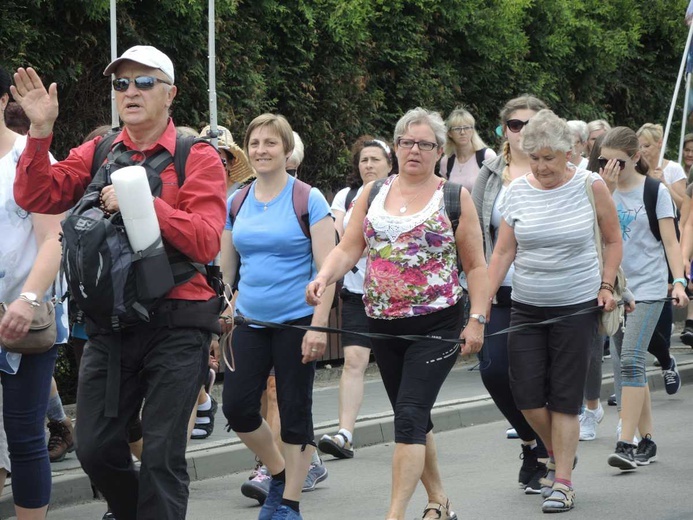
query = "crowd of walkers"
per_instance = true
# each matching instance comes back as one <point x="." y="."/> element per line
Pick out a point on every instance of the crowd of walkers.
<point x="435" y="235"/>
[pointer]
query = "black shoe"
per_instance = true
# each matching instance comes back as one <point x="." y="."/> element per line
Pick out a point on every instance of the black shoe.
<point x="533" y="487"/>
<point x="623" y="458"/>
<point x="529" y="465"/>
<point x="611" y="401"/>
<point x="646" y="452"/>
<point x="687" y="335"/>
<point x="108" y="516"/>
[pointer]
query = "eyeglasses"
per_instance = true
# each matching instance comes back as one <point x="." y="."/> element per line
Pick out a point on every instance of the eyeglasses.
<point x="462" y="129"/>
<point x="602" y="162"/>
<point x="515" y="125"/>
<point x="141" y="83"/>
<point x="424" y="146"/>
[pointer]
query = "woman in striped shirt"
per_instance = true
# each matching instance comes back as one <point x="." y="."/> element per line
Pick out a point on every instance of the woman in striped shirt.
<point x="547" y="231"/>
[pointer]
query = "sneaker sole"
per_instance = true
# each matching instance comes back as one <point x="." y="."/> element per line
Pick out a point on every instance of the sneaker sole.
<point x="315" y="483"/>
<point x="254" y="493"/>
<point x="618" y="462"/>
<point x="587" y="438"/>
<point x="329" y="447"/>
<point x="647" y="462"/>
<point x="532" y="491"/>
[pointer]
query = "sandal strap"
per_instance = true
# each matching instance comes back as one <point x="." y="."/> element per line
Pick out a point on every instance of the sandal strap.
<point x="438" y="508"/>
<point x="567" y="498"/>
<point x="546" y="482"/>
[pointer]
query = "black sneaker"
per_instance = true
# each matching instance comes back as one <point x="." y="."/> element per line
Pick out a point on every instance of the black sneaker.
<point x="623" y="458"/>
<point x="533" y="487"/>
<point x="529" y="465"/>
<point x="611" y="401"/>
<point x="687" y="335"/>
<point x="646" y="452"/>
<point x="672" y="379"/>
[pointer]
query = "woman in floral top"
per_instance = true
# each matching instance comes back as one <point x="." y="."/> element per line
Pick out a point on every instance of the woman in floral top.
<point x="412" y="287"/>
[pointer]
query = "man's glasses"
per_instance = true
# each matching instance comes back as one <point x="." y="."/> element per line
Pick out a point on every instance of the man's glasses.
<point x="602" y="162"/>
<point x="424" y="146"/>
<point x="462" y="129"/>
<point x="141" y="83"/>
<point x="515" y="125"/>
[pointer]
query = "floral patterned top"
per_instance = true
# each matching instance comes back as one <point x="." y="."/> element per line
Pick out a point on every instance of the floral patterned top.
<point x="411" y="267"/>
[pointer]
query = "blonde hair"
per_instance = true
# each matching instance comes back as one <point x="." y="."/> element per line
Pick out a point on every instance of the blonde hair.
<point x="652" y="132"/>
<point x="459" y="117"/>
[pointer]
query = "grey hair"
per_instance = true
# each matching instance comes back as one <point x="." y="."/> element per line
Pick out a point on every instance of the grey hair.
<point x="299" y="150"/>
<point x="597" y="124"/>
<point x="418" y="116"/>
<point x="547" y="130"/>
<point x="579" y="129"/>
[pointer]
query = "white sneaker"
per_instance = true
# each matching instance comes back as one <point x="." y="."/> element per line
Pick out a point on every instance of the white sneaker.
<point x="618" y="433"/>
<point x="588" y="426"/>
<point x="599" y="412"/>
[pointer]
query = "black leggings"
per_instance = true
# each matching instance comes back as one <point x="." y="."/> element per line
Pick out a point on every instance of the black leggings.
<point x="661" y="337"/>
<point x="414" y="371"/>
<point x="493" y="365"/>
<point x="256" y="351"/>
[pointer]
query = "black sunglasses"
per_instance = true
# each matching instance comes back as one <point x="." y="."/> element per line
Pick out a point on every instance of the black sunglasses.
<point x="515" y="125"/>
<point x="141" y="83"/>
<point x="602" y="162"/>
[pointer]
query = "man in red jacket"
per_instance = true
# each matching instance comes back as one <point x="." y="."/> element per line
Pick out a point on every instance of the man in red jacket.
<point x="162" y="364"/>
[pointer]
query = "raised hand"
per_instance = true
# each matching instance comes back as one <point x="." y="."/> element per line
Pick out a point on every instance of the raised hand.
<point x="40" y="105"/>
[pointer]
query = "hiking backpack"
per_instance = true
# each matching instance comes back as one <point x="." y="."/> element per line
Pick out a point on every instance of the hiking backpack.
<point x="113" y="285"/>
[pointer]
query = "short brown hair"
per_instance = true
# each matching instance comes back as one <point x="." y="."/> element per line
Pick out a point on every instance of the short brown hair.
<point x="276" y="122"/>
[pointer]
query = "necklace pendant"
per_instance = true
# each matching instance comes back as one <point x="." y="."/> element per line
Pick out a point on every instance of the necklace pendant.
<point x="265" y="209"/>
<point x="403" y="209"/>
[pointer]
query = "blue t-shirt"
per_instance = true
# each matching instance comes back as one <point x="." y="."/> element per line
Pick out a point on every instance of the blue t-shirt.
<point x="276" y="257"/>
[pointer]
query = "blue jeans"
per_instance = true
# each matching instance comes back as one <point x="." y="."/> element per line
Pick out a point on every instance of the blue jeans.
<point x="25" y="400"/>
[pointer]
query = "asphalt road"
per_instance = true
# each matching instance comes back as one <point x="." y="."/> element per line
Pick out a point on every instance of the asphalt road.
<point x="479" y="468"/>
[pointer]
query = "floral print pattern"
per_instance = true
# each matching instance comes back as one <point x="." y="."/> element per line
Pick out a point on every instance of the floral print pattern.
<point x="416" y="272"/>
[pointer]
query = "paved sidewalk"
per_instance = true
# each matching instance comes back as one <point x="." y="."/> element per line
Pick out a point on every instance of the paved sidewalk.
<point x="463" y="402"/>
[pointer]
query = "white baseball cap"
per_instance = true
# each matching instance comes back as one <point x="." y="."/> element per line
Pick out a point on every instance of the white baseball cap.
<point x="146" y="55"/>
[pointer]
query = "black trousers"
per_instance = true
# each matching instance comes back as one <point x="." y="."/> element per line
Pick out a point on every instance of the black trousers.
<point x="165" y="367"/>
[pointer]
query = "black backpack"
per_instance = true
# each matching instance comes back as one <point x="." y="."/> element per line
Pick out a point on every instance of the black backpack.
<point x="113" y="285"/>
<point x="650" y="194"/>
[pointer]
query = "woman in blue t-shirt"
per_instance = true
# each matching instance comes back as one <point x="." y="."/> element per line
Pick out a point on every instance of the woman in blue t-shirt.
<point x="277" y="260"/>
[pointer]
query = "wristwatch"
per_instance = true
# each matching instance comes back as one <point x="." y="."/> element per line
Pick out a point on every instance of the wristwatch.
<point x="479" y="317"/>
<point x="30" y="298"/>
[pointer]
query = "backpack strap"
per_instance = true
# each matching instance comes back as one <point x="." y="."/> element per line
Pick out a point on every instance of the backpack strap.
<point x="650" y="193"/>
<point x="374" y="190"/>
<point x="480" y="155"/>
<point x="351" y="194"/>
<point x="451" y="200"/>
<point x="102" y="150"/>
<point x="180" y="157"/>
<point x="238" y="201"/>
<point x="450" y="165"/>
<point x="300" y="196"/>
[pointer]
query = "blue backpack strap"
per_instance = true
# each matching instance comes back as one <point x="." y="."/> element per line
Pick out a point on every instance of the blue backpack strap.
<point x="300" y="196"/>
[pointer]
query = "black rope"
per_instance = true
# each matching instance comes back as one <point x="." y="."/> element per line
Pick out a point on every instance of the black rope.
<point x="244" y="320"/>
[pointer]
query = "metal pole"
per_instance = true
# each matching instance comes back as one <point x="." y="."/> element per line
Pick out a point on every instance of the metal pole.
<point x="212" y="77"/>
<point x="684" y="119"/>
<point x="676" y="95"/>
<point x="115" y="120"/>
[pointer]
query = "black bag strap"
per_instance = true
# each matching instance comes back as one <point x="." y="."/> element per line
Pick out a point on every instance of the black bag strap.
<point x="350" y="196"/>
<point x="480" y="155"/>
<point x="451" y="199"/>
<point x="374" y="190"/>
<point x="102" y="150"/>
<point x="450" y="165"/>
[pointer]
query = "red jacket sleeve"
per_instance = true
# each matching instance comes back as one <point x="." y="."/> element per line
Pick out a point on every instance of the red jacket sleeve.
<point x="40" y="187"/>
<point x="194" y="223"/>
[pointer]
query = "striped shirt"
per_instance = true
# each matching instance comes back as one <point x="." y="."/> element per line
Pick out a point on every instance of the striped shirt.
<point x="556" y="263"/>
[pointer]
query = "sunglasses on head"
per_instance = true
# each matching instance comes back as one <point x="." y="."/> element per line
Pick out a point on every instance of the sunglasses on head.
<point x="515" y="125"/>
<point x="602" y="162"/>
<point x="141" y="83"/>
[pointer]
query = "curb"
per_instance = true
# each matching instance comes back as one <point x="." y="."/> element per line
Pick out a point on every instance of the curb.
<point x="73" y="487"/>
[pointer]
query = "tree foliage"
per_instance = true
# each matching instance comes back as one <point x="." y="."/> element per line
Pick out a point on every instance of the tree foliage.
<point x="341" y="68"/>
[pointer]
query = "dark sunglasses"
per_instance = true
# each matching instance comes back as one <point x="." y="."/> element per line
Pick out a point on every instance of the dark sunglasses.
<point x="602" y="162"/>
<point x="515" y="125"/>
<point x="141" y="83"/>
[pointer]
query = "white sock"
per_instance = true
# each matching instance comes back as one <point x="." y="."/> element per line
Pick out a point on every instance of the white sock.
<point x="346" y="434"/>
<point x="531" y="445"/>
<point x="316" y="458"/>
<point x="207" y="405"/>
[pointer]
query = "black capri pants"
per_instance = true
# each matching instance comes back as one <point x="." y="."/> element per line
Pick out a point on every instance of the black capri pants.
<point x="548" y="364"/>
<point x="354" y="319"/>
<point x="414" y="371"/>
<point x="256" y="351"/>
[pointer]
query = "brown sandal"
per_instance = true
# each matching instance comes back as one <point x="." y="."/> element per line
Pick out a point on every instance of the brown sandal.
<point x="443" y="511"/>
